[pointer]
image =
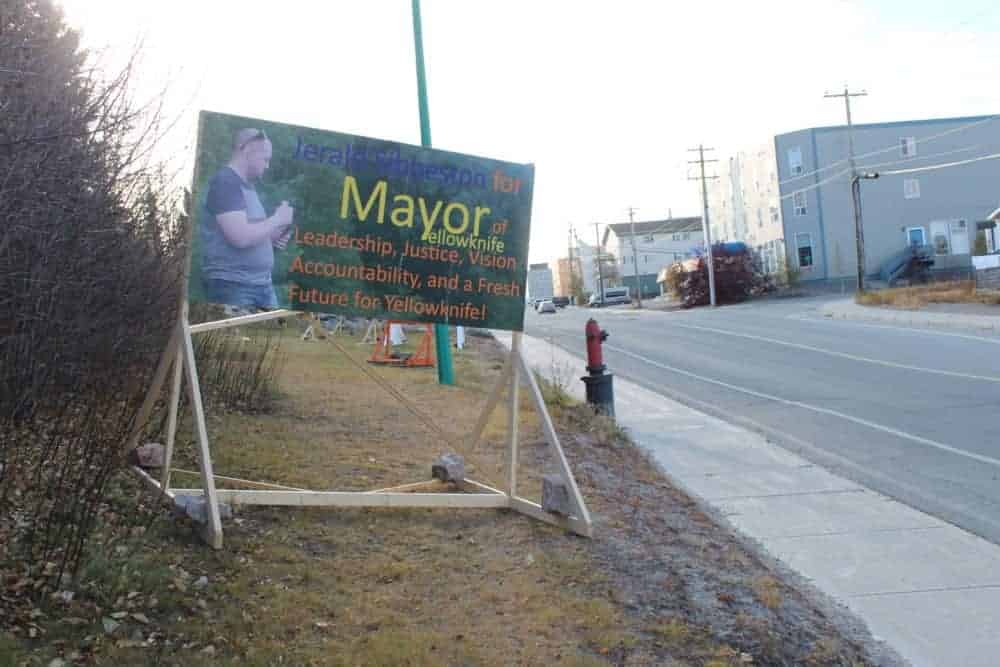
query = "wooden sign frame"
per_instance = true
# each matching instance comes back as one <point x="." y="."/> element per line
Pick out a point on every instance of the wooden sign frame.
<point x="179" y="357"/>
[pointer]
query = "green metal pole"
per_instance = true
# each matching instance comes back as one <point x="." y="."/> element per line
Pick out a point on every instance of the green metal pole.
<point x="446" y="374"/>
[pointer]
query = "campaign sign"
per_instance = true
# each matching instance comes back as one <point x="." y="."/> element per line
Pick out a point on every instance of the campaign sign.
<point x="306" y="219"/>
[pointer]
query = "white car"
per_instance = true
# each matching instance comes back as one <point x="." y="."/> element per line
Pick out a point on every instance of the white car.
<point x="546" y="306"/>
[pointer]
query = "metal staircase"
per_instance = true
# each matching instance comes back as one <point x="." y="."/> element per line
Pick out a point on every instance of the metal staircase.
<point x="910" y="262"/>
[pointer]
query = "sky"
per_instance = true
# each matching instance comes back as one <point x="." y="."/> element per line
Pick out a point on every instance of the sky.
<point x="606" y="99"/>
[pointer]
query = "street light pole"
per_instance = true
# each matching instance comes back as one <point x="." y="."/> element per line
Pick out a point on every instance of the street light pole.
<point x="442" y="337"/>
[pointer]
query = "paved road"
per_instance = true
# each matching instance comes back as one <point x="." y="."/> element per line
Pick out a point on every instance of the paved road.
<point x="914" y="414"/>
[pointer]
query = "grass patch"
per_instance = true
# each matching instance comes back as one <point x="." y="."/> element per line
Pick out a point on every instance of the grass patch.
<point x="314" y="586"/>
<point x="914" y="298"/>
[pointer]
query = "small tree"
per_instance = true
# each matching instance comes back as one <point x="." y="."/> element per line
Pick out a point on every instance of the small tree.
<point x="980" y="247"/>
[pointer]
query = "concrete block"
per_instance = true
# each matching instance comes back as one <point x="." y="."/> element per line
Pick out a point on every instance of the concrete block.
<point x="555" y="495"/>
<point x="196" y="508"/>
<point x="449" y="468"/>
<point x="150" y="455"/>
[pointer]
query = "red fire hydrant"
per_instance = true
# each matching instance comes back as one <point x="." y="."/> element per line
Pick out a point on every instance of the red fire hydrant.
<point x="600" y="391"/>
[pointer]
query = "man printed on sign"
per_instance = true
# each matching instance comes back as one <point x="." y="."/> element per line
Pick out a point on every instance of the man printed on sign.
<point x="237" y="236"/>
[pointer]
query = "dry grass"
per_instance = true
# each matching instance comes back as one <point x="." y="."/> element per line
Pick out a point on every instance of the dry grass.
<point x="300" y="586"/>
<point x="768" y="591"/>
<point x="370" y="586"/>
<point x="914" y="298"/>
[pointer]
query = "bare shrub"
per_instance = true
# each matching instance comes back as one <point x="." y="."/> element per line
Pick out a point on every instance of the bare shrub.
<point x="238" y="368"/>
<point x="90" y="268"/>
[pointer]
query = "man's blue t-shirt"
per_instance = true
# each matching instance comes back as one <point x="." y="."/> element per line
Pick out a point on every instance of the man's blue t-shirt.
<point x="227" y="192"/>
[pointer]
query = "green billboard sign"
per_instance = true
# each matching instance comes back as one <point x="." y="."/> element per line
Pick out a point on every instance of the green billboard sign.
<point x="306" y="219"/>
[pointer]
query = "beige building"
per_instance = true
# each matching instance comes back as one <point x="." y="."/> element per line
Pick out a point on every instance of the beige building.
<point x="562" y="277"/>
<point x="744" y="204"/>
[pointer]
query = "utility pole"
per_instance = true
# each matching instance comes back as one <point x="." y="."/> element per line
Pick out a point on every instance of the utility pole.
<point x="600" y="271"/>
<point x="704" y="221"/>
<point x="859" y="233"/>
<point x="571" y="294"/>
<point x="635" y="257"/>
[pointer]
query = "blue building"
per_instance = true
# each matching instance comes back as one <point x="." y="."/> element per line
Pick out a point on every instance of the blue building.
<point x="937" y="177"/>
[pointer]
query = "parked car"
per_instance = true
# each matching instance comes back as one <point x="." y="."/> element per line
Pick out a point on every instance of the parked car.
<point x="546" y="306"/>
<point x="612" y="296"/>
<point x="560" y="301"/>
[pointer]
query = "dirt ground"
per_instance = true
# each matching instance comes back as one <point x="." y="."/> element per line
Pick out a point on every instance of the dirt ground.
<point x="661" y="583"/>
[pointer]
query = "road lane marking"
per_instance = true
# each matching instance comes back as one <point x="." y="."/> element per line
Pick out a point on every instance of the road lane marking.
<point x="913" y="330"/>
<point x="814" y="408"/>
<point x="843" y="355"/>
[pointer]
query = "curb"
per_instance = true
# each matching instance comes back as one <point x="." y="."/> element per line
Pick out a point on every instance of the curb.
<point x="848" y="310"/>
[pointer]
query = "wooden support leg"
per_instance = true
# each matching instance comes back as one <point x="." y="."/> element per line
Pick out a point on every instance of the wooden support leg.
<point x="515" y="383"/>
<point x="213" y="526"/>
<point x="553" y="439"/>
<point x="169" y="352"/>
<point x="491" y="404"/>
<point x="174" y="405"/>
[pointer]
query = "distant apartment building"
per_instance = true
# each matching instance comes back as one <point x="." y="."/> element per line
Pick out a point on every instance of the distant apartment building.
<point x="744" y="204"/>
<point x="658" y="243"/>
<point x="540" y="281"/>
<point x="585" y="256"/>
<point x="791" y="198"/>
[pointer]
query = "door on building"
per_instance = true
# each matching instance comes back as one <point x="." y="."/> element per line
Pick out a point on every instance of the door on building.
<point x="959" y="237"/>
<point x="915" y="236"/>
<point x="941" y="238"/>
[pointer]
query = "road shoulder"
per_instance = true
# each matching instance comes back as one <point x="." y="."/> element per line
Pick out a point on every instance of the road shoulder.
<point x="899" y="570"/>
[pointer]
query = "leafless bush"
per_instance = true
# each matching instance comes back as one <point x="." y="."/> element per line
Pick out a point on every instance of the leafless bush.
<point x="239" y="368"/>
<point x="90" y="263"/>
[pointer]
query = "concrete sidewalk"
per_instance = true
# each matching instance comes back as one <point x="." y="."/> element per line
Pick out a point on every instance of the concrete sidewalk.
<point x="848" y="310"/>
<point x="927" y="588"/>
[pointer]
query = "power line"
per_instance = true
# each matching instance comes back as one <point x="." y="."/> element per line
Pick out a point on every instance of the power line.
<point x="875" y="165"/>
<point x="917" y="142"/>
<point x="944" y="165"/>
<point x="836" y="176"/>
<point x="815" y="185"/>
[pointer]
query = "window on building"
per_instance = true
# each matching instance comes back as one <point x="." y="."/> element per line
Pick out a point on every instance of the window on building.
<point x="805" y="247"/>
<point x="795" y="161"/>
<point x="687" y="235"/>
<point x="648" y="238"/>
<point x="911" y="188"/>
<point x="645" y="259"/>
<point x="908" y="146"/>
<point x="799" y="203"/>
<point x="676" y="237"/>
<point x="774" y="214"/>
